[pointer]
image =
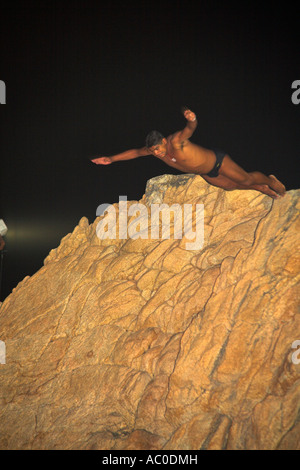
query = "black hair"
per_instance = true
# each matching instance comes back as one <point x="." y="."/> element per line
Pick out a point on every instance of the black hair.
<point x="153" y="138"/>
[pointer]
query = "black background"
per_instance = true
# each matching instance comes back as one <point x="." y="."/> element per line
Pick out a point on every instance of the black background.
<point x="87" y="78"/>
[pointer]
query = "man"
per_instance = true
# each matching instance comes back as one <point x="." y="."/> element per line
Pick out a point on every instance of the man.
<point x="214" y="166"/>
<point x="3" y="231"/>
<point x="2" y="243"/>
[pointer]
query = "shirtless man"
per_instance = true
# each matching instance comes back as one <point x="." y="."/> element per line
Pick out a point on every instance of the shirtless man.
<point x="2" y="243"/>
<point x="214" y="166"/>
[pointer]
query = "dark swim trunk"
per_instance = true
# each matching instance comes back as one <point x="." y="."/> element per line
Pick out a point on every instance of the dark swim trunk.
<point x="219" y="159"/>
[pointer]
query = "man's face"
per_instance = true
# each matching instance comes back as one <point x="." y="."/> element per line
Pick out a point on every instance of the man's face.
<point x="159" y="150"/>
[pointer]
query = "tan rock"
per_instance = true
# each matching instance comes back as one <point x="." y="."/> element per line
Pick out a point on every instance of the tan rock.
<point x="144" y="344"/>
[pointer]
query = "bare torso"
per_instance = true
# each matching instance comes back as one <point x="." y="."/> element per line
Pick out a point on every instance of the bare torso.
<point x="188" y="157"/>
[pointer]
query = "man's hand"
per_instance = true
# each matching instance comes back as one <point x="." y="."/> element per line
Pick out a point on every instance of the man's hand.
<point x="188" y="114"/>
<point x="101" y="160"/>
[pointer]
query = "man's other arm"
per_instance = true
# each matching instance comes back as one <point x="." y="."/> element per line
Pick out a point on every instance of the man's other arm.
<point x="190" y="127"/>
<point x="127" y="155"/>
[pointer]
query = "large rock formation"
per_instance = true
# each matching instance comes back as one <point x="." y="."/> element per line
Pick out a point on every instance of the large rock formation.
<point x="144" y="344"/>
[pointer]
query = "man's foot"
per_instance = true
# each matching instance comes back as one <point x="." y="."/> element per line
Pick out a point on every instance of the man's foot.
<point x="277" y="186"/>
<point x="265" y="189"/>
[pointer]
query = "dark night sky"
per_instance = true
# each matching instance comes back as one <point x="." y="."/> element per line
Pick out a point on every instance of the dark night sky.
<point x="84" y="80"/>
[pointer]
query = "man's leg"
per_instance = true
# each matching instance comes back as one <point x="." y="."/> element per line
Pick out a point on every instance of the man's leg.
<point x="223" y="182"/>
<point x="235" y="173"/>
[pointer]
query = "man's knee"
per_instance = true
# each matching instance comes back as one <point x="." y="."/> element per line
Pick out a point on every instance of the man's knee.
<point x="246" y="180"/>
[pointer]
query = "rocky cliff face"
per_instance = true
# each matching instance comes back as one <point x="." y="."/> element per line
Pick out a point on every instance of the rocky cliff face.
<point x="143" y="344"/>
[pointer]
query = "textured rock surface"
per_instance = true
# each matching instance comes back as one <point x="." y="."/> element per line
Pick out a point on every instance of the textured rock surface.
<point x="142" y="344"/>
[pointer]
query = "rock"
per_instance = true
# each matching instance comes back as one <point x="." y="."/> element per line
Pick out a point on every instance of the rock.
<point x="144" y="344"/>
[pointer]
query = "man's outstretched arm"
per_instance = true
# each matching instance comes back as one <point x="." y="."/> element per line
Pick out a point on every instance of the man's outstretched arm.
<point x="127" y="155"/>
<point x="190" y="127"/>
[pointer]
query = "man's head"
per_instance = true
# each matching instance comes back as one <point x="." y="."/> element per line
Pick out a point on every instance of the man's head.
<point x="156" y="143"/>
